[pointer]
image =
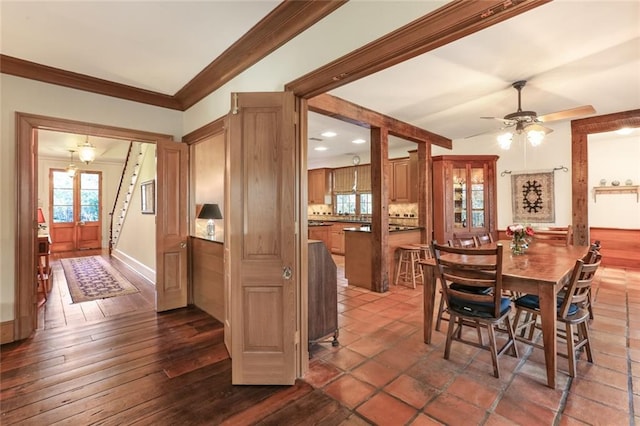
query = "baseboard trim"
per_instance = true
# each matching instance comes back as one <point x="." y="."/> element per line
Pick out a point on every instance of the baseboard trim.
<point x="133" y="264"/>
<point x="7" y="332"/>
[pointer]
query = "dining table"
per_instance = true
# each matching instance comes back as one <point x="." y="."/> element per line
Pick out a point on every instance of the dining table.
<point x="542" y="270"/>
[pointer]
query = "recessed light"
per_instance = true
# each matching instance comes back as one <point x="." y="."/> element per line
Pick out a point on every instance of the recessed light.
<point x="329" y="134"/>
<point x="624" y="131"/>
<point x="320" y="148"/>
<point x="358" y="141"/>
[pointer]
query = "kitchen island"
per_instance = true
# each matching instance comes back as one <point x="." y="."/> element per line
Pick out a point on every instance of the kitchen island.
<point x="358" y="252"/>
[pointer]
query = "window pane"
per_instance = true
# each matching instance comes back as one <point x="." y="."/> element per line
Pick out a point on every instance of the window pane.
<point x="346" y="204"/>
<point x="366" y="205"/>
<point x="89" y="213"/>
<point x="63" y="197"/>
<point x="62" y="214"/>
<point x="62" y="180"/>
<point x="89" y="197"/>
<point x="89" y="181"/>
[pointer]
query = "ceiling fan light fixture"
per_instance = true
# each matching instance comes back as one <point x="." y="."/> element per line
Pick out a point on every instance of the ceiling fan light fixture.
<point x="87" y="152"/>
<point x="505" y="139"/>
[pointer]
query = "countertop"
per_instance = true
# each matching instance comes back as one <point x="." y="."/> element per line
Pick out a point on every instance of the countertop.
<point x="392" y="228"/>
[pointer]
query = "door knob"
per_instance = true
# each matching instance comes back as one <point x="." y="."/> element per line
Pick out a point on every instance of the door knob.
<point x="183" y="245"/>
<point x="286" y="273"/>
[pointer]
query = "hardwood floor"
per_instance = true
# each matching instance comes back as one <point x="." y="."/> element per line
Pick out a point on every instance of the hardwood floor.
<point x="136" y="366"/>
<point x="59" y="311"/>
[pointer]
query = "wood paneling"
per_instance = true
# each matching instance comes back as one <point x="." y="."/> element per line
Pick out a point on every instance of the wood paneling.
<point x="207" y="276"/>
<point x="6" y="332"/>
<point x="620" y="247"/>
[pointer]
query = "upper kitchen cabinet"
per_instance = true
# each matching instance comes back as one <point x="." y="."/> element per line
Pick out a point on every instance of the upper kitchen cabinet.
<point x="319" y="186"/>
<point x="464" y="196"/>
<point x="403" y="179"/>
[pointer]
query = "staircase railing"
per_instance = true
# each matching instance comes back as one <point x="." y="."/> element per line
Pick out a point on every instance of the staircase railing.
<point x="115" y="202"/>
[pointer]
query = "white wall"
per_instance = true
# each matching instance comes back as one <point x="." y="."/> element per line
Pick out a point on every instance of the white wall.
<point x="137" y="241"/>
<point x="613" y="157"/>
<point x="28" y="96"/>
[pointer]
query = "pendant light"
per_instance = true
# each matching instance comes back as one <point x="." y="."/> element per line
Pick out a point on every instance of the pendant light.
<point x="87" y="152"/>
<point x="71" y="168"/>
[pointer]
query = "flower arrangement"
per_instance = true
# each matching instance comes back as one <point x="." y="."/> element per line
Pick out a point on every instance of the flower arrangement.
<point x="519" y="237"/>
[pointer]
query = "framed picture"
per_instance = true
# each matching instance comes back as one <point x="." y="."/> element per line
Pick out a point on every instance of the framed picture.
<point x="148" y="197"/>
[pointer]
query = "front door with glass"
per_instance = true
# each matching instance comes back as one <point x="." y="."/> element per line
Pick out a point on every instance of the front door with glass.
<point x="75" y="209"/>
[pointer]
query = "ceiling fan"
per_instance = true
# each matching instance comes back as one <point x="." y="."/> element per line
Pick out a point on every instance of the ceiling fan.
<point x="530" y="121"/>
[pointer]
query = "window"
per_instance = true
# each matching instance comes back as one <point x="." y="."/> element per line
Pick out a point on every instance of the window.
<point x="366" y="203"/>
<point x="64" y="204"/>
<point x="346" y="203"/>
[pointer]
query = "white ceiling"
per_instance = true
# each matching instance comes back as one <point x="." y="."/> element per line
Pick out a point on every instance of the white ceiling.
<point x="571" y="52"/>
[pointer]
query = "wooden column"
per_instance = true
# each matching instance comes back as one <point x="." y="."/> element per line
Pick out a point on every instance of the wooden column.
<point x="380" y="213"/>
<point x="425" y="199"/>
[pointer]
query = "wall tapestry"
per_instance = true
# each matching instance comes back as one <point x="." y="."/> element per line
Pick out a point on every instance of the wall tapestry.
<point x="532" y="197"/>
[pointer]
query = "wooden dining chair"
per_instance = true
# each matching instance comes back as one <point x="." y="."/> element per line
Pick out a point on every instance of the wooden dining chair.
<point x="570" y="312"/>
<point x="555" y="235"/>
<point x="481" y="309"/>
<point x="483" y="239"/>
<point x="463" y="242"/>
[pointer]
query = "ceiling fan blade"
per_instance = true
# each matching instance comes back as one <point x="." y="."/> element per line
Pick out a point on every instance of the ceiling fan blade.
<point x="567" y="113"/>
<point x="504" y="120"/>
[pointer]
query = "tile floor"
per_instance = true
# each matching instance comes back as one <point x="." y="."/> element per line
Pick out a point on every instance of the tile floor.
<point x="386" y="375"/>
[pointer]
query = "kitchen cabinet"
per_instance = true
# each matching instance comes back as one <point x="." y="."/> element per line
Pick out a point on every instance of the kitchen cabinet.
<point x="399" y="179"/>
<point x="322" y="233"/>
<point x="337" y="236"/>
<point x="464" y="196"/>
<point x="319" y="186"/>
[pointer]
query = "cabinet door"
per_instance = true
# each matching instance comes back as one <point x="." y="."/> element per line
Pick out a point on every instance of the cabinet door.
<point x="399" y="179"/>
<point x="470" y="203"/>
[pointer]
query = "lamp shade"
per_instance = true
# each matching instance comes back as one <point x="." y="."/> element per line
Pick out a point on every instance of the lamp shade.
<point x="41" y="216"/>
<point x="210" y="211"/>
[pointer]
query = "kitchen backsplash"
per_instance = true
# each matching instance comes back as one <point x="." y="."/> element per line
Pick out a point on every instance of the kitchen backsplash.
<point x="401" y="214"/>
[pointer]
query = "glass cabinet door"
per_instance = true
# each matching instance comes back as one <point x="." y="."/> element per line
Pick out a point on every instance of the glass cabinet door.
<point x="477" y="197"/>
<point x="460" y="207"/>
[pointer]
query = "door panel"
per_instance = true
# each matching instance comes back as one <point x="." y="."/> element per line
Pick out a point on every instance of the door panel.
<point x="261" y="224"/>
<point x="171" y="225"/>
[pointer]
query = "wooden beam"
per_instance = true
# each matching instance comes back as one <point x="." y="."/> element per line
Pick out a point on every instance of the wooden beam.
<point x="51" y="75"/>
<point x="285" y="22"/>
<point x="580" y="131"/>
<point x="282" y="24"/>
<point x="364" y="117"/>
<point x="451" y="22"/>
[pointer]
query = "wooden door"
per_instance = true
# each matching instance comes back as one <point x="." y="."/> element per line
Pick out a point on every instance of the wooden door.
<point x="262" y="219"/>
<point x="172" y="160"/>
<point x="75" y="210"/>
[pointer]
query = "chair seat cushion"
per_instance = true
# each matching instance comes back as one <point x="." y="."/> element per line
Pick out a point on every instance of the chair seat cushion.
<point x="531" y="301"/>
<point x="470" y="289"/>
<point x="478" y="309"/>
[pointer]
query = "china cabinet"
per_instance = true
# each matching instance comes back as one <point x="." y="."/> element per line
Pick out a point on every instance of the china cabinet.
<point x="464" y="196"/>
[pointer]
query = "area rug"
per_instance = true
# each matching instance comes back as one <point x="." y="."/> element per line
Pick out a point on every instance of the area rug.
<point x="92" y="277"/>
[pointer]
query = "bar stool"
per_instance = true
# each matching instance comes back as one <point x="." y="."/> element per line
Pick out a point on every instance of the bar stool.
<point x="425" y="251"/>
<point x="408" y="269"/>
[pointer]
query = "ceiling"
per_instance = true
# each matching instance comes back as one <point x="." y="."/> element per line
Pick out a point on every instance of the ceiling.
<point x="571" y="53"/>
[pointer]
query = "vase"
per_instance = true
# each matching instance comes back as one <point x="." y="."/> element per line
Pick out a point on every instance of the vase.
<point x="519" y="246"/>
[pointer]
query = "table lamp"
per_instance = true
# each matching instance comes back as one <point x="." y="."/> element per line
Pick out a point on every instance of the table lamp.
<point x="41" y="220"/>
<point x="211" y="212"/>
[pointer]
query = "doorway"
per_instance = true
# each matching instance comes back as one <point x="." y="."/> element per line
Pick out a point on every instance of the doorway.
<point x="27" y="200"/>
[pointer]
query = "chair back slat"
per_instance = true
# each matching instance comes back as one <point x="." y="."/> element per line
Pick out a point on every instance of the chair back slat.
<point x="483" y="239"/>
<point x="578" y="286"/>
<point x="467" y="242"/>
<point x="472" y="267"/>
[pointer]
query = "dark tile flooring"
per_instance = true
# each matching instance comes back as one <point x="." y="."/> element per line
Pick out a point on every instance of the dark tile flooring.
<point x="386" y="375"/>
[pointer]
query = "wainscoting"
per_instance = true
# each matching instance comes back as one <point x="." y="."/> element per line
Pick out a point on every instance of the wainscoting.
<point x="620" y="247"/>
